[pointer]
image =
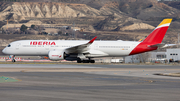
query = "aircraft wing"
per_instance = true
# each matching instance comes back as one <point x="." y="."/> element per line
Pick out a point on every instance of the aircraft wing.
<point x="80" y="48"/>
<point x="162" y="45"/>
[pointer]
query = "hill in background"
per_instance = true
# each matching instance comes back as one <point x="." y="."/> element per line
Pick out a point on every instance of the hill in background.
<point x="107" y="19"/>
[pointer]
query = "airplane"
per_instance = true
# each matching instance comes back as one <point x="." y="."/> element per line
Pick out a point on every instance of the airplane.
<point x="85" y="51"/>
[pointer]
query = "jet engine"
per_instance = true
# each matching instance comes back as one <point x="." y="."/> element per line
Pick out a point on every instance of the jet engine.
<point x="56" y="55"/>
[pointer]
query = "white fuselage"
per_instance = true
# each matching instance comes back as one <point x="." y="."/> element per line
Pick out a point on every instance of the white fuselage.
<point x="42" y="47"/>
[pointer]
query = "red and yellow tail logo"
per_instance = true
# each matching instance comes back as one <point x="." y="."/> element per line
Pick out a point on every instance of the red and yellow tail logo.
<point x="164" y="23"/>
<point x="154" y="38"/>
<point x="159" y="32"/>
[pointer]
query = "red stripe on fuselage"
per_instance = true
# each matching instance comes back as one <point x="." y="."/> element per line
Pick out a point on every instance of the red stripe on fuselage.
<point x="155" y="37"/>
<point x="141" y="48"/>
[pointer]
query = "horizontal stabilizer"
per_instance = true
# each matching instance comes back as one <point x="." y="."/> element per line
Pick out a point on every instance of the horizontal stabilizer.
<point x="162" y="45"/>
<point x="168" y="45"/>
<point x="157" y="45"/>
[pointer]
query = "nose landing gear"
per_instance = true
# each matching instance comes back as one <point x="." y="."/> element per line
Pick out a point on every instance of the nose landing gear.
<point x="13" y="58"/>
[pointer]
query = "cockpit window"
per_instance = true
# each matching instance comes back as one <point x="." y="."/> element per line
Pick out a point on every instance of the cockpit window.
<point x="9" y="45"/>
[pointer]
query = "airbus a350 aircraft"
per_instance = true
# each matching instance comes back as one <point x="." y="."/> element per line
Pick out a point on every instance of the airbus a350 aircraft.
<point x="85" y="51"/>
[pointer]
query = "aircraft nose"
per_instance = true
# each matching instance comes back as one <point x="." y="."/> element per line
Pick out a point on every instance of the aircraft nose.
<point x="4" y="51"/>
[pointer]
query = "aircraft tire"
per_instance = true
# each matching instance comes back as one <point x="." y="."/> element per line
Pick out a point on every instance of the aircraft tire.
<point x="13" y="60"/>
<point x="92" y="61"/>
<point x="86" y="61"/>
<point x="79" y="61"/>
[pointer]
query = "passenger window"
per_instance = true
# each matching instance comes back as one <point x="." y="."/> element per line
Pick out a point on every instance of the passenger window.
<point x="9" y="45"/>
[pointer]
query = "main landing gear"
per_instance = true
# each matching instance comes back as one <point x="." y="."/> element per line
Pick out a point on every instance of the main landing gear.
<point x="85" y="61"/>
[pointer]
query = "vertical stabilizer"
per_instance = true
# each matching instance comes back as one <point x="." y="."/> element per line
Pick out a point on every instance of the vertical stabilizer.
<point x="153" y="39"/>
<point x="159" y="32"/>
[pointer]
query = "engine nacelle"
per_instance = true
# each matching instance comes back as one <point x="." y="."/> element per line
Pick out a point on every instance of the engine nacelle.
<point x="56" y="55"/>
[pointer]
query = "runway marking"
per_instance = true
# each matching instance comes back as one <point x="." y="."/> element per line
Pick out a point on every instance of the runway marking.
<point x="4" y="79"/>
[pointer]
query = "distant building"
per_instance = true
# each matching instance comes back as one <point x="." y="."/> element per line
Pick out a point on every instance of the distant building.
<point x="173" y="54"/>
<point x="149" y="57"/>
<point x="132" y="59"/>
<point x="162" y="57"/>
<point x="158" y="57"/>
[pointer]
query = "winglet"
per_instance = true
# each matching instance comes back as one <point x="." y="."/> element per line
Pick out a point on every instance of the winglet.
<point x="140" y="40"/>
<point x="92" y="40"/>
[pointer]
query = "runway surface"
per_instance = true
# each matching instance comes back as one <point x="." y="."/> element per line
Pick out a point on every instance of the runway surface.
<point x="89" y="83"/>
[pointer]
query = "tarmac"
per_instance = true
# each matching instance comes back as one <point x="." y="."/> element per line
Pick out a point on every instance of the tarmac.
<point x="89" y="82"/>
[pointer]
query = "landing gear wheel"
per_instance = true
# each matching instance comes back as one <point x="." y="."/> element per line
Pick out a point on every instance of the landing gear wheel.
<point x="13" y="60"/>
<point x="92" y="61"/>
<point x="79" y="61"/>
<point x="85" y="61"/>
